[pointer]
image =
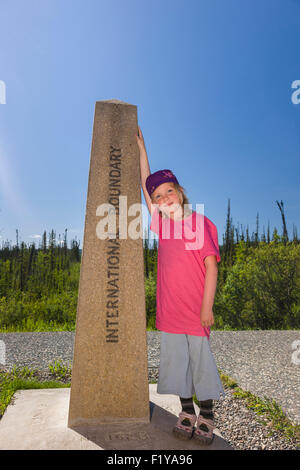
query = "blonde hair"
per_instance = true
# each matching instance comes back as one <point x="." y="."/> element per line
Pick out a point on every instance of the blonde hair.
<point x="182" y="198"/>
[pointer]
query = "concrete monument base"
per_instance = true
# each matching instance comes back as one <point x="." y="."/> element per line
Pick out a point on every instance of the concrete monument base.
<point x="37" y="420"/>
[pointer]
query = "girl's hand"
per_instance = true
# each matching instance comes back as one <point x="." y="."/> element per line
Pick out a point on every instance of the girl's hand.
<point x="207" y="318"/>
<point x="140" y="139"/>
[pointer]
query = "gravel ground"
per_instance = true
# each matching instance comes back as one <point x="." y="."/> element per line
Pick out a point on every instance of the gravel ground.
<point x="260" y="361"/>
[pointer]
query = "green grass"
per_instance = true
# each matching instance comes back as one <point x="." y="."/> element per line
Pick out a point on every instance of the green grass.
<point x="59" y="370"/>
<point x="30" y="326"/>
<point x="21" y="379"/>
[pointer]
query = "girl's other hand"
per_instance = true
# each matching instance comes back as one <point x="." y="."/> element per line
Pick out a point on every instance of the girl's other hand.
<point x="207" y="318"/>
<point x="140" y="139"/>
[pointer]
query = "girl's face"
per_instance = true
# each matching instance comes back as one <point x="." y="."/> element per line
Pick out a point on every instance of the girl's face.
<point x="167" y="198"/>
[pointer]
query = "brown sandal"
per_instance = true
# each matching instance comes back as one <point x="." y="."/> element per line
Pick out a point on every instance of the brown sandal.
<point x="204" y="430"/>
<point x="185" y="425"/>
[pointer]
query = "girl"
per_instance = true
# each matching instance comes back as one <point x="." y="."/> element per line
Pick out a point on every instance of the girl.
<point x="186" y="281"/>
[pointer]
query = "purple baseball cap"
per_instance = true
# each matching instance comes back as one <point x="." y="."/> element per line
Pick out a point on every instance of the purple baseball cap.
<point x="159" y="177"/>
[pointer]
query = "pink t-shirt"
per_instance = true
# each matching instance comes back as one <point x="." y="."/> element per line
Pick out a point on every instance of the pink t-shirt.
<point x="182" y="248"/>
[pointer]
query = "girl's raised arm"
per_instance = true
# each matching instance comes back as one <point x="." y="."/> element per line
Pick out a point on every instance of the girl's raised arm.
<point x="144" y="166"/>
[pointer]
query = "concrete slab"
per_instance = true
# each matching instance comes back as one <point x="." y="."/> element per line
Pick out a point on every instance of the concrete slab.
<point x="37" y="420"/>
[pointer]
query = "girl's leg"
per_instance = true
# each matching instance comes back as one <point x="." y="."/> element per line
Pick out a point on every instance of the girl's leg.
<point x="206" y="409"/>
<point x="206" y="379"/>
<point x="207" y="383"/>
<point x="187" y="405"/>
<point x="175" y="375"/>
<point x="175" y="378"/>
<point x="187" y="418"/>
<point x="205" y="424"/>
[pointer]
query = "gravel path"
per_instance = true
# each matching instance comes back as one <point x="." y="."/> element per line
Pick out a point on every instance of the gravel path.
<point x="260" y="361"/>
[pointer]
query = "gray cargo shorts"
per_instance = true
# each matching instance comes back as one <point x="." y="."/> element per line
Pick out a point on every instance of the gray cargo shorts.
<point x="187" y="366"/>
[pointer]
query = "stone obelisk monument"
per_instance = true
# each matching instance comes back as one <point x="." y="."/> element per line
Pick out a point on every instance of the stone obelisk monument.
<point x="109" y="371"/>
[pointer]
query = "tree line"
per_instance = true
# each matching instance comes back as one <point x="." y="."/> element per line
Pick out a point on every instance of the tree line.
<point x="258" y="280"/>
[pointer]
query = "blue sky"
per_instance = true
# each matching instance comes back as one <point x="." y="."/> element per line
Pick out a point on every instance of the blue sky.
<point x="212" y="84"/>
